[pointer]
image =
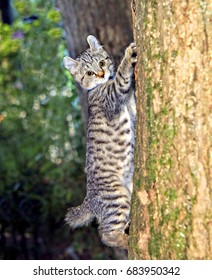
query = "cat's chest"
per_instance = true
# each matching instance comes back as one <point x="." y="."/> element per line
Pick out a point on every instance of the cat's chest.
<point x="120" y="126"/>
<point x="114" y="136"/>
<point x="110" y="145"/>
<point x="123" y="128"/>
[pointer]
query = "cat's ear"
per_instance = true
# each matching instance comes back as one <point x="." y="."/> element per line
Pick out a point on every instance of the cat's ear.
<point x="70" y="63"/>
<point x="93" y="43"/>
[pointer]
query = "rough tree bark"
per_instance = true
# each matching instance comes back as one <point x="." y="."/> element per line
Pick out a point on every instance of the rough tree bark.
<point x="172" y="202"/>
<point x="110" y="21"/>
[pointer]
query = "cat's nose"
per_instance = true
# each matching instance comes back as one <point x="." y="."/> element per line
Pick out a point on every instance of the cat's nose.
<point x="100" y="74"/>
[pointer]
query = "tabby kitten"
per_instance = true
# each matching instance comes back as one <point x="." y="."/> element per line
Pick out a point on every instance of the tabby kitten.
<point x="110" y="141"/>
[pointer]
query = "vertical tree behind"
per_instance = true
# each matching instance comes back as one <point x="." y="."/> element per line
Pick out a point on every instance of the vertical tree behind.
<point x="110" y="21"/>
<point x="172" y="204"/>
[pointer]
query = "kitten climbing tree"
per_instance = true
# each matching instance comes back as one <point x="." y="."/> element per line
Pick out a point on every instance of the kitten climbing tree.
<point x="172" y="203"/>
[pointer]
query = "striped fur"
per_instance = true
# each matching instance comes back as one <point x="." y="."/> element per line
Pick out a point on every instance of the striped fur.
<point x="110" y="141"/>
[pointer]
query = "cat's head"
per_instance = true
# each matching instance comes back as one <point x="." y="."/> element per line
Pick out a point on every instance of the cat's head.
<point x="93" y="67"/>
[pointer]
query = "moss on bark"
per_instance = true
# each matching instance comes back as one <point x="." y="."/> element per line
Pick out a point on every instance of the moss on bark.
<point x="172" y="201"/>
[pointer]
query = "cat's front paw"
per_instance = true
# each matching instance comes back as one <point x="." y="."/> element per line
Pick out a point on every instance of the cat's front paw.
<point x="131" y="53"/>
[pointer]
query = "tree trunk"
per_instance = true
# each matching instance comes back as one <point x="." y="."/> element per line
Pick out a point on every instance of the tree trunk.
<point x="110" y="21"/>
<point x="172" y="201"/>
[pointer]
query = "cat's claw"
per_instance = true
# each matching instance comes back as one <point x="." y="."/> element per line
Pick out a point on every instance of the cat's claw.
<point x="127" y="227"/>
<point x="131" y="53"/>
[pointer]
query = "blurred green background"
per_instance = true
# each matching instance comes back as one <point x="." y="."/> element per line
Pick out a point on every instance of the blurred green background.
<point x="42" y="151"/>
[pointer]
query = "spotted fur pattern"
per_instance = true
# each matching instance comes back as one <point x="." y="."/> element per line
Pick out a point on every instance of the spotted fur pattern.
<point x="110" y="141"/>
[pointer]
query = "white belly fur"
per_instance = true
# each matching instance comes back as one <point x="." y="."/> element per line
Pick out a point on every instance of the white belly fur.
<point x="126" y="174"/>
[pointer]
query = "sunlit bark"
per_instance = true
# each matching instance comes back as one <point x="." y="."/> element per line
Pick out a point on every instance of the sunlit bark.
<point x="172" y="203"/>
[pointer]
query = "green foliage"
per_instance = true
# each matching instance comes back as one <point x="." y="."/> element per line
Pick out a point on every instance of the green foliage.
<point x="41" y="138"/>
<point x="41" y="135"/>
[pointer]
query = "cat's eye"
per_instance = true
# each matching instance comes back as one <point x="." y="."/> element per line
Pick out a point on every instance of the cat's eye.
<point x="102" y="63"/>
<point x="89" y="73"/>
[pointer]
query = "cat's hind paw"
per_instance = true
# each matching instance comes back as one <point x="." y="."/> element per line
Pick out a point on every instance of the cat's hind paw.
<point x="115" y="239"/>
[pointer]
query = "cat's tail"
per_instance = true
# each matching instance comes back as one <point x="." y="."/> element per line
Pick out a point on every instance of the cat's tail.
<point x="79" y="216"/>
